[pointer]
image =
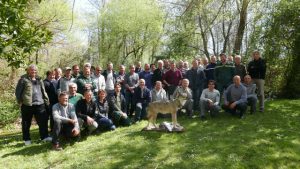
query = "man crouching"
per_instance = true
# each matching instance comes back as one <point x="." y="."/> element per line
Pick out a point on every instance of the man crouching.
<point x="65" y="120"/>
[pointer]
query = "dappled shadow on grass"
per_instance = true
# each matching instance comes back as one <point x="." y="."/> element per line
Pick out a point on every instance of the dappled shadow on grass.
<point x="262" y="140"/>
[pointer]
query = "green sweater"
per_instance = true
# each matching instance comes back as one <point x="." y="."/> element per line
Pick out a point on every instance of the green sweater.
<point x="224" y="73"/>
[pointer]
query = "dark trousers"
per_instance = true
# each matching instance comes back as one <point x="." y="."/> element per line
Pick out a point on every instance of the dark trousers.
<point x="50" y="117"/>
<point x="40" y="114"/>
<point x="130" y="105"/>
<point x="196" y="97"/>
<point x="241" y="108"/>
<point x="170" y="90"/>
<point x="60" y="128"/>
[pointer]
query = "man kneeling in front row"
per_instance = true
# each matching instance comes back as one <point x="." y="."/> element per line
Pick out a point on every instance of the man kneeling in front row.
<point x="65" y="120"/>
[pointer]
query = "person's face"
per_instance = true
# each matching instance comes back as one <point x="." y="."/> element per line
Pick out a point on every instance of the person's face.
<point x="102" y="95"/>
<point x="213" y="59"/>
<point x="63" y="100"/>
<point x="68" y="73"/>
<point x="158" y="86"/>
<point x="147" y="67"/>
<point x="32" y="72"/>
<point x="211" y="85"/>
<point x="237" y="80"/>
<point x="87" y="71"/>
<point x="118" y="89"/>
<point x="205" y="61"/>
<point x="185" y="83"/>
<point x="142" y="84"/>
<point x="122" y="69"/>
<point x="98" y="71"/>
<point x="73" y="89"/>
<point x="88" y="96"/>
<point x="180" y="64"/>
<point x="173" y="66"/>
<point x="247" y="79"/>
<point x="223" y="58"/>
<point x="138" y="64"/>
<point x="51" y="76"/>
<point x="237" y="60"/>
<point x="153" y="67"/>
<point x="160" y="65"/>
<point x="256" y="55"/>
<point x="76" y="70"/>
<point x="195" y="63"/>
<point x="109" y="67"/>
<point x="131" y="69"/>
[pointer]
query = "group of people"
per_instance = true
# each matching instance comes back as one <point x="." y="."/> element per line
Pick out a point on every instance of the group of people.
<point x="96" y="100"/>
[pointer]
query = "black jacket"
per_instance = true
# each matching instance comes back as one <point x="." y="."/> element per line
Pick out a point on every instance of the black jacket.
<point x="257" y="68"/>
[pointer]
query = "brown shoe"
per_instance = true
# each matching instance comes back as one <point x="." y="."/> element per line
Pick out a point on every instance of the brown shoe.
<point x="56" y="147"/>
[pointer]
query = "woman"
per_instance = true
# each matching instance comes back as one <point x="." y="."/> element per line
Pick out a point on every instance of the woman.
<point x="102" y="112"/>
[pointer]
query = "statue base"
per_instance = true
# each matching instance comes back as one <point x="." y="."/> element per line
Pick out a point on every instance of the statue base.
<point x="165" y="127"/>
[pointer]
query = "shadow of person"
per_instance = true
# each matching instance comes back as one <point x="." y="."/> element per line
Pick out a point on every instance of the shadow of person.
<point x="30" y="150"/>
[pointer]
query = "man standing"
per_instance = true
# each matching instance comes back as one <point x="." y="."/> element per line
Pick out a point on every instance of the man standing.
<point x="147" y="76"/>
<point x="110" y="78"/>
<point x="131" y="82"/>
<point x="172" y="78"/>
<point x="197" y="80"/>
<point x="64" y="81"/>
<point x="239" y="68"/>
<point x="210" y="99"/>
<point x="235" y="98"/>
<point x="98" y="79"/>
<point x="65" y="120"/>
<point x="257" y="70"/>
<point x="85" y="82"/>
<point x="223" y="74"/>
<point x="158" y="73"/>
<point x="32" y="98"/>
<point x="76" y="71"/>
<point x="121" y="78"/>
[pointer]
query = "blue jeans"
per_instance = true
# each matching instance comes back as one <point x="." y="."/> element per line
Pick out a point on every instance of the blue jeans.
<point x="140" y="111"/>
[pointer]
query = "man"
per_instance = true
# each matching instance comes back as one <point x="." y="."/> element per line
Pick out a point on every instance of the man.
<point x="158" y="93"/>
<point x="76" y="71"/>
<point x="158" y="73"/>
<point x="87" y="116"/>
<point x="166" y="65"/>
<point x="138" y="67"/>
<point x="117" y="108"/>
<point x="210" y="69"/>
<point x="235" y="98"/>
<point x="204" y="62"/>
<point x="147" y="76"/>
<point x="142" y="99"/>
<point x="251" y="95"/>
<point x="121" y="78"/>
<point x="32" y="98"/>
<point x="85" y="81"/>
<point x="65" y="81"/>
<point x="197" y="81"/>
<point x="131" y="82"/>
<point x="239" y="68"/>
<point x="110" y="78"/>
<point x="209" y="101"/>
<point x="58" y="73"/>
<point x="172" y="79"/>
<point x="152" y="68"/>
<point x="74" y="97"/>
<point x="65" y="120"/>
<point x="223" y="74"/>
<point x="51" y="86"/>
<point x="257" y="70"/>
<point x="98" y="79"/>
<point x="185" y="92"/>
<point x="180" y="67"/>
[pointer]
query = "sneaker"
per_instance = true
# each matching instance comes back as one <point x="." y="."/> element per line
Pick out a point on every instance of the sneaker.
<point x="56" y="147"/>
<point x="261" y="110"/>
<point x="202" y="117"/>
<point x="47" y="139"/>
<point x="27" y="142"/>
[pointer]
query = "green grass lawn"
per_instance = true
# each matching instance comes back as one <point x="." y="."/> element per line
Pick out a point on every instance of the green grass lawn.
<point x="264" y="140"/>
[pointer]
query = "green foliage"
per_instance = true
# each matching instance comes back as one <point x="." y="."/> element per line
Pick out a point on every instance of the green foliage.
<point x="128" y="28"/>
<point x="9" y="111"/>
<point x="282" y="47"/>
<point x="264" y="140"/>
<point x="20" y="37"/>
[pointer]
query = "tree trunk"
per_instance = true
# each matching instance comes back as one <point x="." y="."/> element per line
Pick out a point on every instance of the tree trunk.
<point x="204" y="37"/>
<point x="241" y="27"/>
